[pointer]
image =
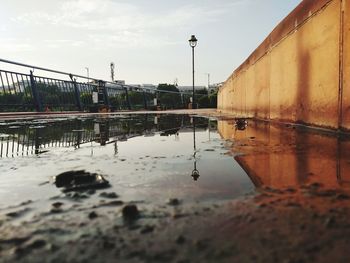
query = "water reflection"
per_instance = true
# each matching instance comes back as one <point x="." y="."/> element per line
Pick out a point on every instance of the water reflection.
<point x="281" y="157"/>
<point x="195" y="173"/>
<point x="18" y="138"/>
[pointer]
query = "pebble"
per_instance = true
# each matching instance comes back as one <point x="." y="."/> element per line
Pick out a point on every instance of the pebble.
<point x="180" y="240"/>
<point x="329" y="222"/>
<point x="57" y="204"/>
<point x="109" y="195"/>
<point x="37" y="244"/>
<point x="342" y="196"/>
<point x="147" y="229"/>
<point x="174" y="202"/>
<point x="91" y="191"/>
<point x="93" y="215"/>
<point x="130" y="212"/>
<point x="111" y="203"/>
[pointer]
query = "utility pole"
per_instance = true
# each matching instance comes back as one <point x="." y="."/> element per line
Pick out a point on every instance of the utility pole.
<point x="112" y="71"/>
<point x="208" y="74"/>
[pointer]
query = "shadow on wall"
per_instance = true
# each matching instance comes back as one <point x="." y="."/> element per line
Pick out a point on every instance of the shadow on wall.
<point x="303" y="80"/>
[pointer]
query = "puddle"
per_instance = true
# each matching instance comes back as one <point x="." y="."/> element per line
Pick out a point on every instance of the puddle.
<point x="114" y="184"/>
<point x="153" y="159"/>
<point x="145" y="158"/>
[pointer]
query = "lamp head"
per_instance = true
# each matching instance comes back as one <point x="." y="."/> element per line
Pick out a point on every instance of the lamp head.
<point x="195" y="174"/>
<point x="193" y="41"/>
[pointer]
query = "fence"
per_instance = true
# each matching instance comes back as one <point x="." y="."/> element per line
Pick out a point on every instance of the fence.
<point x="29" y="92"/>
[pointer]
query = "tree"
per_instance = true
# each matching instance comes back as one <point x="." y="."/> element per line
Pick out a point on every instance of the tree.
<point x="172" y="98"/>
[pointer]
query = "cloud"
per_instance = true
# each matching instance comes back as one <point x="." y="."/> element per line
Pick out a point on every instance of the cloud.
<point x="57" y="43"/>
<point x="13" y="45"/>
<point x="122" y="24"/>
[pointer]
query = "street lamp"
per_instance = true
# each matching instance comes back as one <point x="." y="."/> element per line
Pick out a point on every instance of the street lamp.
<point x="193" y="43"/>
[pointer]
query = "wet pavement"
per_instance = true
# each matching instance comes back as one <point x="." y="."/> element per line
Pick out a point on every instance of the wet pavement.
<point x="144" y="157"/>
<point x="172" y="188"/>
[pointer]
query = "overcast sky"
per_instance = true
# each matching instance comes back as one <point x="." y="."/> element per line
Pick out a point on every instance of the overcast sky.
<point x="146" y="39"/>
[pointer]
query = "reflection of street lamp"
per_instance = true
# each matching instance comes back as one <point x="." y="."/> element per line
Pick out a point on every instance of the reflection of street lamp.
<point x="195" y="173"/>
<point x="193" y="43"/>
<point x="241" y="124"/>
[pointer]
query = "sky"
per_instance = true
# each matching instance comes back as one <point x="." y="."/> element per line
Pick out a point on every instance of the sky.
<point x="146" y="39"/>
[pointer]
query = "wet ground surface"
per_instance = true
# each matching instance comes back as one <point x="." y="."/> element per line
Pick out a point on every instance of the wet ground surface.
<point x="171" y="188"/>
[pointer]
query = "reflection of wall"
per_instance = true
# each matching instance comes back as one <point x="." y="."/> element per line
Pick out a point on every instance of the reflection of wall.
<point x="282" y="157"/>
<point x="296" y="74"/>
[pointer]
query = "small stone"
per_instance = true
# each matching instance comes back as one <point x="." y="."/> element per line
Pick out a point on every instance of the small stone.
<point x="290" y="190"/>
<point x="315" y="185"/>
<point x="180" y="240"/>
<point x="174" y="202"/>
<point x="130" y="212"/>
<point x="109" y="195"/>
<point x="342" y="196"/>
<point x="147" y="229"/>
<point x="37" y="244"/>
<point x="91" y="191"/>
<point x="329" y="222"/>
<point x="111" y="203"/>
<point x="93" y="215"/>
<point x="57" y="204"/>
<point x="108" y="244"/>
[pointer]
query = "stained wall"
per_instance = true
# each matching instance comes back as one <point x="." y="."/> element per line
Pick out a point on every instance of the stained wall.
<point x="300" y="73"/>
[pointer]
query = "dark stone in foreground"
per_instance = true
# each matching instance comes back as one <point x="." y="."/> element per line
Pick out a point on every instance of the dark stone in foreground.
<point x="130" y="212"/>
<point x="80" y="180"/>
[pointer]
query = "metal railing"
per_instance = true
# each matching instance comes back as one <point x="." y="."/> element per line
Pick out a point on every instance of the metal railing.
<point x="29" y="92"/>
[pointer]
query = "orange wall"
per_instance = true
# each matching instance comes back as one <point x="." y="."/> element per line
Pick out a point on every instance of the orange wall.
<point x="300" y="73"/>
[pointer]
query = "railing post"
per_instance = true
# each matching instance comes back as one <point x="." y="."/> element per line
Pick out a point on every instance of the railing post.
<point x="144" y="100"/>
<point x="36" y="96"/>
<point x="76" y="93"/>
<point x="182" y="100"/>
<point x="102" y="86"/>
<point x="127" y="98"/>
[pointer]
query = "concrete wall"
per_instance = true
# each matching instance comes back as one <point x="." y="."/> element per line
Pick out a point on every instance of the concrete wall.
<point x="300" y="73"/>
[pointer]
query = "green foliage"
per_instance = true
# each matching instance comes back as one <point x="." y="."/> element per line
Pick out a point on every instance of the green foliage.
<point x="171" y="99"/>
<point x="15" y="102"/>
<point x="213" y="98"/>
<point x="206" y="101"/>
<point x="136" y="99"/>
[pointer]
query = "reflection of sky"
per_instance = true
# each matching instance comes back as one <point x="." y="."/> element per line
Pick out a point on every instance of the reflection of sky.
<point x="145" y="168"/>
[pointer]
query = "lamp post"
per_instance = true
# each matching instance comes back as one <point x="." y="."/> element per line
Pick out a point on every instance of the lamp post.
<point x="193" y="43"/>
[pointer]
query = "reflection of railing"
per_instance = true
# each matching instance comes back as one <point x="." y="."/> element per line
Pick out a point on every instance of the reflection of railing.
<point x="29" y="92"/>
<point x="29" y="139"/>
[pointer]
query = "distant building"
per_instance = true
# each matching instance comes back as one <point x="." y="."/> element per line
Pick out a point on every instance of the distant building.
<point x="120" y="82"/>
<point x="189" y="88"/>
